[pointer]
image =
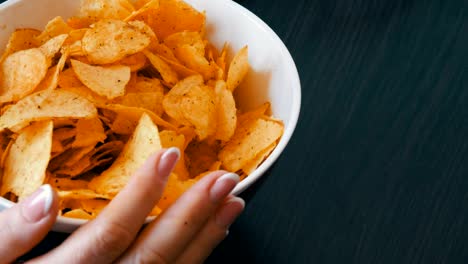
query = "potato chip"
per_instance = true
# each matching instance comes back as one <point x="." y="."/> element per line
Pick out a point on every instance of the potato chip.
<point x="27" y="160"/>
<point x="107" y="81"/>
<point x="190" y="57"/>
<point x="253" y="164"/>
<point x="151" y="4"/>
<point x="86" y="93"/>
<point x="20" y="73"/>
<point x="167" y="73"/>
<point x="151" y="101"/>
<point x="81" y="194"/>
<point x="226" y="114"/>
<point x="78" y="154"/>
<point x="248" y="141"/>
<point x="67" y="184"/>
<point x="238" y="69"/>
<point x="98" y="9"/>
<point x="21" y="39"/>
<point x="78" y="213"/>
<point x="180" y="69"/>
<point x="146" y="85"/>
<point x="169" y="139"/>
<point x="52" y="47"/>
<point x="200" y="156"/>
<point x="144" y="142"/>
<point x="5" y="152"/>
<point x="190" y="38"/>
<point x="68" y="79"/>
<point x="128" y="118"/>
<point x="174" y="16"/>
<point x="51" y="79"/>
<point x="54" y="28"/>
<point x="174" y="189"/>
<point x="192" y="103"/>
<point x="89" y="132"/>
<point x="136" y="62"/>
<point x="253" y="114"/>
<point x="55" y="104"/>
<point x="109" y="41"/>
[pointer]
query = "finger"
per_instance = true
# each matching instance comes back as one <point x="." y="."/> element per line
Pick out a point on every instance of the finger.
<point x="27" y="223"/>
<point x="166" y="238"/>
<point x="215" y="230"/>
<point x="105" y="238"/>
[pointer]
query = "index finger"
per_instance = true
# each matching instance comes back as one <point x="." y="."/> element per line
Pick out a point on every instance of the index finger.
<point x="105" y="238"/>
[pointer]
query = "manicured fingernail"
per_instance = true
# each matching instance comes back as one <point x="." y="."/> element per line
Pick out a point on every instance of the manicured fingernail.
<point x="168" y="161"/>
<point x="38" y="205"/>
<point x="229" y="212"/>
<point x="223" y="186"/>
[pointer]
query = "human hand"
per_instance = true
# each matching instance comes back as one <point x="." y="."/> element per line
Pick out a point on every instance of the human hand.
<point x="186" y="232"/>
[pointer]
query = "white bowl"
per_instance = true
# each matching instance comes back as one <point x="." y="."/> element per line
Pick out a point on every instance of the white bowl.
<point x="273" y="76"/>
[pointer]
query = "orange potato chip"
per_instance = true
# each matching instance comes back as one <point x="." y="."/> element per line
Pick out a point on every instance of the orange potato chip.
<point x="226" y="114"/>
<point x="238" y="69"/>
<point x="190" y="38"/>
<point x="78" y="213"/>
<point x="136" y="62"/>
<point x="189" y="56"/>
<point x="248" y="141"/>
<point x="253" y="164"/>
<point x="190" y="102"/>
<point x="27" y="160"/>
<point x="68" y="79"/>
<point x="146" y="85"/>
<point x="152" y="4"/>
<point x="98" y="9"/>
<point x="20" y="74"/>
<point x="52" y="47"/>
<point x="149" y="100"/>
<point x="66" y="183"/>
<point x="169" y="139"/>
<point x="51" y="79"/>
<point x="144" y="142"/>
<point x="86" y="93"/>
<point x="54" y="27"/>
<point x="81" y="194"/>
<point x="54" y="104"/>
<point x="174" y="16"/>
<point x="201" y="156"/>
<point x="107" y="81"/>
<point x="109" y="41"/>
<point x="167" y="73"/>
<point x="21" y="39"/>
<point x="89" y="132"/>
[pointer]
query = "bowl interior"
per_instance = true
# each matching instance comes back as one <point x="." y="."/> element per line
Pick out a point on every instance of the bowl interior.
<point x="273" y="76"/>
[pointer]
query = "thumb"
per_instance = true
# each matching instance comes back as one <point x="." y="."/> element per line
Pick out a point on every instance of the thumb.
<point x="27" y="223"/>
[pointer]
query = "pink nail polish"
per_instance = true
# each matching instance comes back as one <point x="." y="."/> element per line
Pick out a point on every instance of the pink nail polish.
<point x="229" y="212"/>
<point x="38" y="205"/>
<point x="223" y="186"/>
<point x="168" y="161"/>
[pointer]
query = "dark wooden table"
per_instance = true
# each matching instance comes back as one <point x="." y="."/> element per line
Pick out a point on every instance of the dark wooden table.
<point x="377" y="171"/>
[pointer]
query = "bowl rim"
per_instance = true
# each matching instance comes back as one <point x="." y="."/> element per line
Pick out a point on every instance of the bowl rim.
<point x="295" y="84"/>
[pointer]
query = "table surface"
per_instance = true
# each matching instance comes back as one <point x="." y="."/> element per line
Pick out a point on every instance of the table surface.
<point x="377" y="170"/>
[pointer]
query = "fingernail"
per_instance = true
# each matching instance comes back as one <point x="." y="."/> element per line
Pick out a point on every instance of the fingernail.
<point x="223" y="186"/>
<point x="168" y="161"/>
<point x="229" y="212"/>
<point x="38" y="205"/>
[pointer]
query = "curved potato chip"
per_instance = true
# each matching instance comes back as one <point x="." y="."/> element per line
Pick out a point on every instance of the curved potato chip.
<point x="253" y="164"/>
<point x="81" y="194"/>
<point x="107" y="81"/>
<point x="26" y="163"/>
<point x="21" y="39"/>
<point x="174" y="16"/>
<point x="51" y="79"/>
<point x="144" y="142"/>
<point x="250" y="139"/>
<point x="151" y="101"/>
<point x="192" y="103"/>
<point x="146" y="85"/>
<point x="238" y="69"/>
<point x="68" y="78"/>
<point x="78" y="213"/>
<point x="52" y="47"/>
<point x="54" y="27"/>
<point x="152" y="4"/>
<point x="226" y="115"/>
<point x="86" y="93"/>
<point x="111" y="40"/>
<point x="167" y="73"/>
<point x="89" y="132"/>
<point x="136" y="61"/>
<point x="53" y="104"/>
<point x="98" y="9"/>
<point x="190" y="38"/>
<point x="21" y="72"/>
<point x="190" y="57"/>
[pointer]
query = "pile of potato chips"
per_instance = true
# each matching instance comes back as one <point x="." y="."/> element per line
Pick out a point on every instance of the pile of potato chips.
<point x="87" y="100"/>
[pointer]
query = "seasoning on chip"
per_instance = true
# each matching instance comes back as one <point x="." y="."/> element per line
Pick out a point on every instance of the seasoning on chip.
<point x="85" y="101"/>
